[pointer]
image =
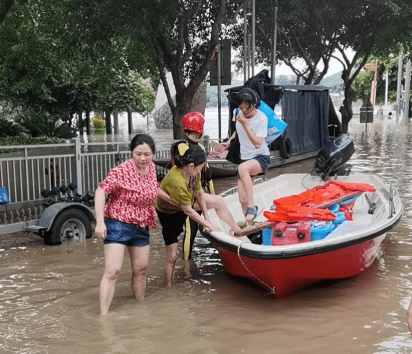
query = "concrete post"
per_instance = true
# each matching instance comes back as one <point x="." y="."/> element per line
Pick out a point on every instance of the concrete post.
<point x="386" y="87"/>
<point x="399" y="88"/>
<point x="407" y="90"/>
<point x="77" y="165"/>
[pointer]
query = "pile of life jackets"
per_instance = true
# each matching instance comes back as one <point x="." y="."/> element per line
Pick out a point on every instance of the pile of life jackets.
<point x="312" y="204"/>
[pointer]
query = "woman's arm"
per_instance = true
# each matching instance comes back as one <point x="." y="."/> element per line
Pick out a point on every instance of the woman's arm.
<point x="191" y="213"/>
<point x="99" y="204"/>
<point x="226" y="144"/>
<point x="166" y="197"/>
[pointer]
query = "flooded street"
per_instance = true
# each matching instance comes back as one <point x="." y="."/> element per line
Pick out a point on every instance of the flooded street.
<point x="49" y="295"/>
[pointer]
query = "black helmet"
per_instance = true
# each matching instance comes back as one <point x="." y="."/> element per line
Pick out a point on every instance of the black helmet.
<point x="249" y="96"/>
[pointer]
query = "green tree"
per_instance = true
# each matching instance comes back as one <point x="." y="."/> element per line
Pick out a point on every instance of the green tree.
<point x="6" y="5"/>
<point x="130" y="93"/>
<point x="314" y="30"/>
<point x="181" y="36"/>
<point x="40" y="69"/>
<point x="388" y="61"/>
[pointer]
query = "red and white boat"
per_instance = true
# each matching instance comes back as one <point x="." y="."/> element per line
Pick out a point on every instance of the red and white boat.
<point x="345" y="252"/>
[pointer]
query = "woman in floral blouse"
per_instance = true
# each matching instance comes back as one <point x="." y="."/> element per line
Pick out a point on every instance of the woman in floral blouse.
<point x="124" y="221"/>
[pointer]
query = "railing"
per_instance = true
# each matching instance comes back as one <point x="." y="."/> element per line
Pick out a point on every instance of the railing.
<point x="33" y="168"/>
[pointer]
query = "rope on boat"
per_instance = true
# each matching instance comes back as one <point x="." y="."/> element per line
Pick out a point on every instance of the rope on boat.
<point x="272" y="290"/>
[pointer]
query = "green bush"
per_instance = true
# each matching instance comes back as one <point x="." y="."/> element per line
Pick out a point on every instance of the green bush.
<point x="37" y="124"/>
<point x="98" y="123"/>
<point x="7" y="126"/>
<point x="27" y="140"/>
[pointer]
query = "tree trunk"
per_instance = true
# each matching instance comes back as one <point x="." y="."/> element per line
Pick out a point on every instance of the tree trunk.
<point x="116" y="121"/>
<point x="178" y="113"/>
<point x="87" y="122"/>
<point x="81" y="122"/>
<point x="108" y="122"/>
<point x="129" y="122"/>
<point x="346" y="108"/>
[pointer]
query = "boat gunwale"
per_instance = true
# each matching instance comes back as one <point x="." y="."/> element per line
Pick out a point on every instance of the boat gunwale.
<point x="306" y="249"/>
<point x="273" y="252"/>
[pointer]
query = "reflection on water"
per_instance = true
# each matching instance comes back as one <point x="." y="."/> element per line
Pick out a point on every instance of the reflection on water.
<point x="49" y="295"/>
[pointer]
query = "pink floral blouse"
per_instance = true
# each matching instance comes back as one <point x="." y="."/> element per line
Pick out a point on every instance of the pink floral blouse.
<point x="131" y="194"/>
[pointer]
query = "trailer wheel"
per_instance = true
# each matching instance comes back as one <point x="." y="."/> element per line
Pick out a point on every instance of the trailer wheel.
<point x="285" y="148"/>
<point x="71" y="224"/>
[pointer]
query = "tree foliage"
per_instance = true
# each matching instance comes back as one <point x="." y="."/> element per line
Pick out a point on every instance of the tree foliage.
<point x="182" y="37"/>
<point x="37" y="125"/>
<point x="387" y="62"/>
<point x="40" y="69"/>
<point x="315" y="30"/>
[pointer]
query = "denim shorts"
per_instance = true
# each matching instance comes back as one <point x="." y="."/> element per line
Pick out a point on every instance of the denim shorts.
<point x="126" y="234"/>
<point x="263" y="160"/>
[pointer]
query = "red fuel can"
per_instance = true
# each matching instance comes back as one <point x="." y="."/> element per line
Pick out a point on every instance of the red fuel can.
<point x="289" y="234"/>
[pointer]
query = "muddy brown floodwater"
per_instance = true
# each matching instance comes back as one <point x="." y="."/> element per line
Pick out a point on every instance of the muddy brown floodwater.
<point x="49" y="295"/>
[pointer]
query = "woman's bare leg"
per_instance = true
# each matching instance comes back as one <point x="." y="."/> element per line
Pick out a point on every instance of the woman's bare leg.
<point x="113" y="255"/>
<point x="139" y="257"/>
<point x="171" y="258"/>
<point x="245" y="185"/>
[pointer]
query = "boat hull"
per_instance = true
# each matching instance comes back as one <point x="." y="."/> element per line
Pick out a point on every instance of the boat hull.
<point x="345" y="252"/>
<point x="285" y="276"/>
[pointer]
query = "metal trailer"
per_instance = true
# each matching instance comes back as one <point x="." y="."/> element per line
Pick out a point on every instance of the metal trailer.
<point x="58" y="223"/>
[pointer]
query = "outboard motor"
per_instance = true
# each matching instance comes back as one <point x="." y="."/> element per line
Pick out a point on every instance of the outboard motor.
<point x="330" y="160"/>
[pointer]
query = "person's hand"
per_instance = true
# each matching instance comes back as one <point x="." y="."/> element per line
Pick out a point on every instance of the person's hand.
<point x="213" y="227"/>
<point x="241" y="119"/>
<point x="224" y="146"/>
<point x="100" y="230"/>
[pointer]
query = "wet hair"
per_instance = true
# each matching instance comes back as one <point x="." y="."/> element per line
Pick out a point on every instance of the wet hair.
<point x="194" y="154"/>
<point x="141" y="139"/>
<point x="248" y="96"/>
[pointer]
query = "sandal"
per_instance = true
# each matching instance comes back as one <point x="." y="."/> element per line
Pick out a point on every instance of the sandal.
<point x="252" y="211"/>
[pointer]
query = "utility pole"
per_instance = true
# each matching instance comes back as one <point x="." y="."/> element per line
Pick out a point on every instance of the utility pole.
<point x="274" y="45"/>
<point x="244" y="43"/>
<point x="374" y="81"/>
<point x="253" y="36"/>
<point x="219" y="104"/>
<point x="249" y="40"/>
<point x="407" y="90"/>
<point x="386" y="87"/>
<point x="399" y="87"/>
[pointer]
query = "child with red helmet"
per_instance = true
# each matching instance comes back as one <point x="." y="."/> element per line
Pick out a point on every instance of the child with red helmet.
<point x="193" y="125"/>
<point x="182" y="184"/>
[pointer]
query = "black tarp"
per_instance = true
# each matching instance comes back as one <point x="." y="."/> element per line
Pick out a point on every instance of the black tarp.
<point x="305" y="108"/>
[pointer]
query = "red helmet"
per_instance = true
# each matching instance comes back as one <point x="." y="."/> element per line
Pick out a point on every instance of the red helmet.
<point x="194" y="122"/>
